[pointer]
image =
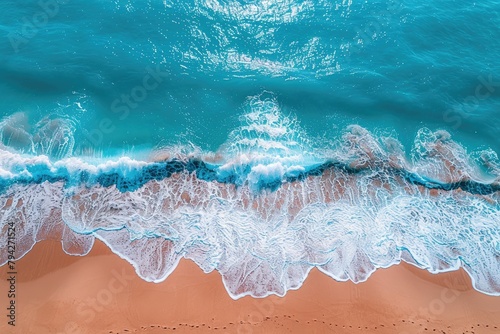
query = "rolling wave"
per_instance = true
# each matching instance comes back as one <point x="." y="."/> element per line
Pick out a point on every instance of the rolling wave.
<point x="265" y="208"/>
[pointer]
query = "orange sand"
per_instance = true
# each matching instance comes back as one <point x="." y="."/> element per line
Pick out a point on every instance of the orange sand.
<point x="100" y="293"/>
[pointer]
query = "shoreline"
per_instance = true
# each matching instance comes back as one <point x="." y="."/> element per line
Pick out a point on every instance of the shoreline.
<point x="101" y="293"/>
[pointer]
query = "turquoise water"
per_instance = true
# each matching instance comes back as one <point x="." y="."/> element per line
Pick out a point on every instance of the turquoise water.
<point x="185" y="129"/>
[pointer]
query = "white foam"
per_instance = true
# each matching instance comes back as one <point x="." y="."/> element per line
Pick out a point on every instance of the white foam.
<point x="265" y="242"/>
<point x="346" y="225"/>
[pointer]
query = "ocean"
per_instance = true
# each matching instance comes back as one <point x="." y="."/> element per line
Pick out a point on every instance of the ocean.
<point x="260" y="139"/>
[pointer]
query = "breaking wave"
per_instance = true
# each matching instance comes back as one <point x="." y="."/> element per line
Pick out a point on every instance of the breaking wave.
<point x="263" y="210"/>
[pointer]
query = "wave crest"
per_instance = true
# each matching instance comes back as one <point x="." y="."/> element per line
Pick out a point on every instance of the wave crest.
<point x="266" y="208"/>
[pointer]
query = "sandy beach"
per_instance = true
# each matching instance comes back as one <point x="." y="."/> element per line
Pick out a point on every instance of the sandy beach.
<point x="100" y="293"/>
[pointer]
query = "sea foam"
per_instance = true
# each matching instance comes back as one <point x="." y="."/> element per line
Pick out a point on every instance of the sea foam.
<point x="268" y="206"/>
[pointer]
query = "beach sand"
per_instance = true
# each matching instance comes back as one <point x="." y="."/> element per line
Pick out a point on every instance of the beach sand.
<point x="100" y="293"/>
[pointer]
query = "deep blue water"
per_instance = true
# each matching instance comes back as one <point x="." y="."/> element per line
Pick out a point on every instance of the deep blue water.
<point x="221" y="103"/>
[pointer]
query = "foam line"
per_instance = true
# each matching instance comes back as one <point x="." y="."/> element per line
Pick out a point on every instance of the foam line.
<point x="267" y="207"/>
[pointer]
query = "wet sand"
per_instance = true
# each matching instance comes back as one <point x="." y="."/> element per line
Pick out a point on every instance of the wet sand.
<point x="100" y="293"/>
